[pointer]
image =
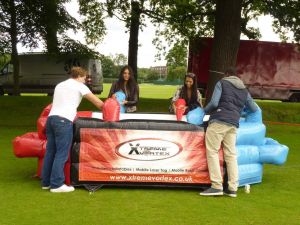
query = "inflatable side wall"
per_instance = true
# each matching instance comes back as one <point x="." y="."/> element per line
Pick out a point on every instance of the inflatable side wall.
<point x="254" y="149"/>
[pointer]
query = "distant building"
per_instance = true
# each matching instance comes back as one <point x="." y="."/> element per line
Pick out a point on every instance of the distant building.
<point x="162" y="70"/>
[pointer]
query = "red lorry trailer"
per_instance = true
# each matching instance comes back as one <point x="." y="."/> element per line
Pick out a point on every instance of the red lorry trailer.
<point x="270" y="70"/>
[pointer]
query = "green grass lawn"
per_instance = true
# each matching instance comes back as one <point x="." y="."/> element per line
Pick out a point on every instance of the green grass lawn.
<point x="149" y="91"/>
<point x="275" y="201"/>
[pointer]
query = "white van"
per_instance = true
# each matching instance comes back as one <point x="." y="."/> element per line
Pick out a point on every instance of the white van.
<point x="40" y="73"/>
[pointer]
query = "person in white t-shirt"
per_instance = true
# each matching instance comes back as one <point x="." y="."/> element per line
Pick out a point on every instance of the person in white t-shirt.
<point x="59" y="128"/>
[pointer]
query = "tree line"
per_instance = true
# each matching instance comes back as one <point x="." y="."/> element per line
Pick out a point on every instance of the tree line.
<point x="31" y="22"/>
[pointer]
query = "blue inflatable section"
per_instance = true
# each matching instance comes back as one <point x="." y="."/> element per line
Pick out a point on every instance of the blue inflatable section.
<point x="250" y="173"/>
<point x="120" y="96"/>
<point x="253" y="148"/>
<point x="251" y="133"/>
<point x="195" y="116"/>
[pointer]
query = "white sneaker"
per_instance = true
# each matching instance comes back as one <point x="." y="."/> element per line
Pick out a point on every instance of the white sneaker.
<point x="63" y="188"/>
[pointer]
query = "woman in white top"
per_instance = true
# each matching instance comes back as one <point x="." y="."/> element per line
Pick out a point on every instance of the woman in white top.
<point x="59" y="128"/>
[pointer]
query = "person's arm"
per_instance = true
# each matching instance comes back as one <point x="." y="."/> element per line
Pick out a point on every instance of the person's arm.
<point x="135" y="98"/>
<point x="214" y="101"/>
<point x="176" y="94"/>
<point x="250" y="104"/>
<point x="199" y="98"/>
<point x="94" y="100"/>
<point x="175" y="98"/>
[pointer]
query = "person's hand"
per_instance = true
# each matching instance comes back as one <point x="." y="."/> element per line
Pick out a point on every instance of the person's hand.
<point x="182" y="107"/>
<point x="124" y="102"/>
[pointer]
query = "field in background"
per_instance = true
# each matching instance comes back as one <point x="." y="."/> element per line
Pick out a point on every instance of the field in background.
<point x="274" y="201"/>
<point x="148" y="91"/>
<point x="156" y="98"/>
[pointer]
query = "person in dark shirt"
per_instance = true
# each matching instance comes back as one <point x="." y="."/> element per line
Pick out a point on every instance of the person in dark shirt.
<point x="229" y="98"/>
<point x="127" y="84"/>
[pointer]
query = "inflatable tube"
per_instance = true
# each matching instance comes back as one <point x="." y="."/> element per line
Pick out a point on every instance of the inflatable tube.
<point x="270" y="141"/>
<point x="273" y="154"/>
<point x="41" y="122"/>
<point x="84" y="114"/>
<point x="251" y="134"/>
<point x="120" y="97"/>
<point x="46" y="111"/>
<point x="180" y="108"/>
<point x="247" y="154"/>
<point x="142" y="116"/>
<point x="111" y="110"/>
<point x="253" y="117"/>
<point x="195" y="116"/>
<point x="29" y="145"/>
<point x="41" y="127"/>
<point x="250" y="173"/>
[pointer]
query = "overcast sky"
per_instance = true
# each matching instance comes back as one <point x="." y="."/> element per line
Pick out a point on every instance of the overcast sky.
<point x="116" y="40"/>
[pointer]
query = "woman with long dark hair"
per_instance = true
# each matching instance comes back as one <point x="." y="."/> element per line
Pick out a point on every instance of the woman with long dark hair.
<point x="127" y="84"/>
<point x="189" y="93"/>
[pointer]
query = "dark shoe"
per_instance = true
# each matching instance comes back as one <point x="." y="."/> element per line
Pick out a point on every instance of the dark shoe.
<point x="230" y="193"/>
<point x="212" y="192"/>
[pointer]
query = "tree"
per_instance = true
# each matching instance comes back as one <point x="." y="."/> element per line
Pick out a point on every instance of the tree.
<point x="152" y="75"/>
<point x="143" y="73"/>
<point x="176" y="73"/>
<point x="108" y="67"/>
<point x="112" y="64"/>
<point x="133" y="13"/>
<point x="130" y="13"/>
<point x="119" y="59"/>
<point x="31" y="21"/>
<point x="177" y="61"/>
<point x="177" y="56"/>
<point x="225" y="21"/>
<point x="10" y="12"/>
<point x="227" y="31"/>
<point x="286" y="16"/>
<point x="52" y="21"/>
<point x="4" y="59"/>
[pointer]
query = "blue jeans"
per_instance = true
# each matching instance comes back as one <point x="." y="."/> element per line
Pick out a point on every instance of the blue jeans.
<point x="59" y="132"/>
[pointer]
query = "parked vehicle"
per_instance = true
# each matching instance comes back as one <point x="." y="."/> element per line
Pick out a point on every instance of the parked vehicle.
<point x="39" y="73"/>
<point x="270" y="70"/>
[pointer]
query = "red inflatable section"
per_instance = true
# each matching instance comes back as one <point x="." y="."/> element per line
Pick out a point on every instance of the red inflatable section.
<point x="180" y="108"/>
<point x="111" y="110"/>
<point x="33" y="144"/>
<point x="41" y="122"/>
<point x="29" y="145"/>
<point x="87" y="114"/>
